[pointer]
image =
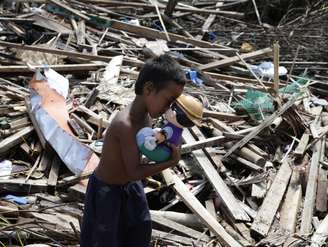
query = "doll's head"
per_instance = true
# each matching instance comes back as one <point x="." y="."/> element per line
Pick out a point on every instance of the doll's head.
<point x="185" y="112"/>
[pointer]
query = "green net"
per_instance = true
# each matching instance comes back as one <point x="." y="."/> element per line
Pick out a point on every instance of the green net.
<point x="295" y="86"/>
<point x="256" y="103"/>
<point x="259" y="104"/>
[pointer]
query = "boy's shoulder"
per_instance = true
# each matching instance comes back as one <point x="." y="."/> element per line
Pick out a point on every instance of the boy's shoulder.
<point x="121" y="121"/>
<point x="122" y="124"/>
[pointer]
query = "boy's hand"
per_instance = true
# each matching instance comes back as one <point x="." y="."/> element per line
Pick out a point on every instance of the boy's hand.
<point x="175" y="155"/>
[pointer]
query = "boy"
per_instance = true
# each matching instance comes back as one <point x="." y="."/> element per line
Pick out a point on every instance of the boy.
<point x="116" y="211"/>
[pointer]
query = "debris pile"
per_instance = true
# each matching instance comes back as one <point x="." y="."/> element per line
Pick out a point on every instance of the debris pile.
<point x="254" y="174"/>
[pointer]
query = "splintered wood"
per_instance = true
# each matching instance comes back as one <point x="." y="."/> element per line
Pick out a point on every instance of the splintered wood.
<point x="270" y="205"/>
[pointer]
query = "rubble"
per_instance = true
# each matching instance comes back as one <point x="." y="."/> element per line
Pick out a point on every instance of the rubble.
<point x="254" y="174"/>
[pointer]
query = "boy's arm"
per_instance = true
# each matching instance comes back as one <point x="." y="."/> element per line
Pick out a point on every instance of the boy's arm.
<point x="131" y="157"/>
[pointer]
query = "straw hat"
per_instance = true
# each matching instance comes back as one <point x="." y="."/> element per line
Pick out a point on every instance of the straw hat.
<point x="192" y="107"/>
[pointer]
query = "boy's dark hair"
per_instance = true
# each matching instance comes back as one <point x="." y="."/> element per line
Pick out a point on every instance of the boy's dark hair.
<point x="160" y="70"/>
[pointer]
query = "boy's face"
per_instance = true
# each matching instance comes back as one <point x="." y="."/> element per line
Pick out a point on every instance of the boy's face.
<point x="159" y="101"/>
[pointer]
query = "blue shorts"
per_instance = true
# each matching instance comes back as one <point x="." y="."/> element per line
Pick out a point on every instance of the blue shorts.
<point x="115" y="215"/>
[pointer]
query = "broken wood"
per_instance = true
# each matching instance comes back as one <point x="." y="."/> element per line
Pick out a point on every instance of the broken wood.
<point x="148" y="6"/>
<point x="190" y="220"/>
<point x="276" y="69"/>
<point x="302" y="145"/>
<point x="270" y="205"/>
<point x="189" y="147"/>
<point x="291" y="204"/>
<point x="54" y="171"/>
<point x="231" y="60"/>
<point x="198" y="209"/>
<point x="320" y="235"/>
<point x="322" y="197"/>
<point x="311" y="189"/>
<point x="259" y="128"/>
<point x="223" y="191"/>
<point x="11" y="141"/>
<point x="71" y="10"/>
<point x="179" y="228"/>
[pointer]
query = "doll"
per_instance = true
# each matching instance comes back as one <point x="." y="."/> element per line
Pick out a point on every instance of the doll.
<point x="185" y="112"/>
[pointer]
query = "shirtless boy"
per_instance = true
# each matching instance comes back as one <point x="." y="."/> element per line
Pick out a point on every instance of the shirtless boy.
<point x="116" y="210"/>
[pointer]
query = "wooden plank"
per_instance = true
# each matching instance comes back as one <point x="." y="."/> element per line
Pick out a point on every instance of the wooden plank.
<point x="270" y="205"/>
<point x="245" y="232"/>
<point x="155" y="34"/>
<point x="276" y="68"/>
<point x="320" y="236"/>
<point x="132" y="62"/>
<point x="19" y="185"/>
<point x="221" y="125"/>
<point x="244" y="152"/>
<point x="110" y="78"/>
<point x="94" y="117"/>
<point x="210" y="19"/>
<point x="91" y="98"/>
<point x="46" y="159"/>
<point x="231" y="60"/>
<point x="170" y="6"/>
<point x="11" y="141"/>
<point x="33" y="168"/>
<point x="209" y="204"/>
<point x="228" y="199"/>
<point x="231" y="78"/>
<point x="311" y="189"/>
<point x="174" y="239"/>
<point x="55" y="51"/>
<point x="208" y="23"/>
<point x="314" y="130"/>
<point x="222" y="115"/>
<point x="315" y="222"/>
<point x="248" y="154"/>
<point x="54" y="171"/>
<point x="247" y="163"/>
<point x="189" y="220"/>
<point x="258" y="190"/>
<point x="235" y="234"/>
<point x="19" y="123"/>
<point x="189" y="147"/>
<point x="76" y="128"/>
<point x="71" y="68"/>
<point x="179" y="228"/>
<point x="292" y="202"/>
<point x="322" y="197"/>
<point x="195" y="206"/>
<point x="258" y="150"/>
<point x="15" y="19"/>
<point x="77" y="191"/>
<point x="35" y="123"/>
<point x="84" y="125"/>
<point x="14" y="85"/>
<point x="81" y="33"/>
<point x="148" y="6"/>
<point x="263" y="125"/>
<point x="60" y="220"/>
<point x="51" y="24"/>
<point x="70" y="9"/>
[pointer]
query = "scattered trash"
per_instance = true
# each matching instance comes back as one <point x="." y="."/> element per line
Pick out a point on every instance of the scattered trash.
<point x="16" y="199"/>
<point x="5" y="169"/>
<point x="266" y="70"/>
<point x="193" y="75"/>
